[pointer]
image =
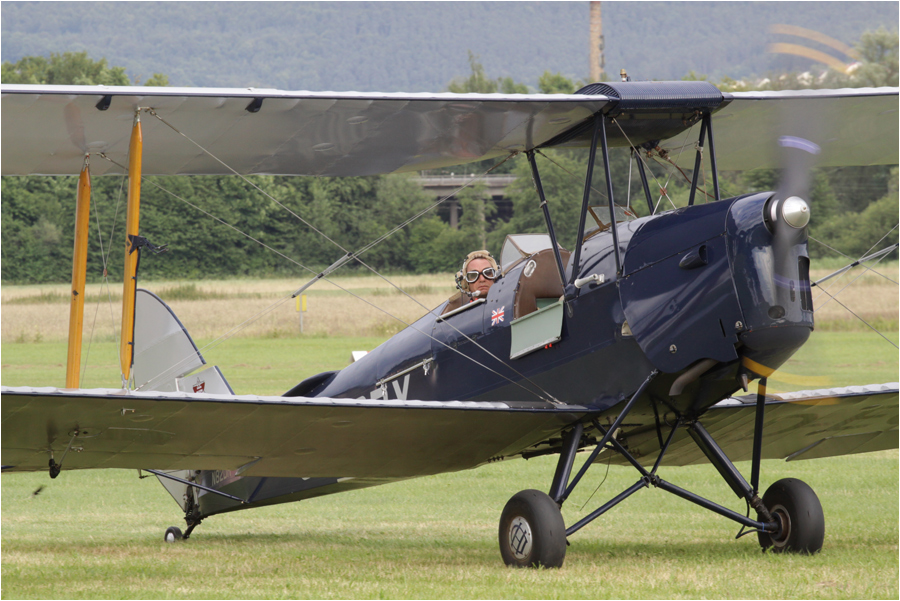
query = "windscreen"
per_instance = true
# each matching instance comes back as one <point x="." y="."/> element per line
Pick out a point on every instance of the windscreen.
<point x="600" y="216"/>
<point x="519" y="246"/>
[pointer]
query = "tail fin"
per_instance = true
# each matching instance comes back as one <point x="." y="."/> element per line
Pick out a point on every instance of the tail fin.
<point x="165" y="354"/>
<point x="166" y="360"/>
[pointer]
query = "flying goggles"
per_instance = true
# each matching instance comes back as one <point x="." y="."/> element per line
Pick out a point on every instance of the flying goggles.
<point x="489" y="273"/>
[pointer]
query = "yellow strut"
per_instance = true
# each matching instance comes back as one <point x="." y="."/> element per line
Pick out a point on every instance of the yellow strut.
<point x="79" y="274"/>
<point x="132" y="227"/>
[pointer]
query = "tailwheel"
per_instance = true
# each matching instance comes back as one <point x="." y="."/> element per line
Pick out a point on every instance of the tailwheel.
<point x="794" y="504"/>
<point x="173" y="534"/>
<point x="532" y="531"/>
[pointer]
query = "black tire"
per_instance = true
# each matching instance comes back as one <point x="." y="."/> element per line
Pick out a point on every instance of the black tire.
<point x="798" y="508"/>
<point x="532" y="531"/>
<point x="173" y="534"/>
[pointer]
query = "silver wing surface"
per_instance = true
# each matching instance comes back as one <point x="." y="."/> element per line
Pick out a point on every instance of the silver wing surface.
<point x="265" y="436"/>
<point x="798" y="425"/>
<point x="47" y="130"/>
<point x="852" y="126"/>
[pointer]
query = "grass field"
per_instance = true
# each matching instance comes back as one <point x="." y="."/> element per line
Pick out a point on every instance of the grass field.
<point x="263" y="309"/>
<point x="99" y="534"/>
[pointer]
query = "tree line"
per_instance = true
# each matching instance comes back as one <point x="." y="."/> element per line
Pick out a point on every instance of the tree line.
<point x="854" y="207"/>
<point x="400" y="46"/>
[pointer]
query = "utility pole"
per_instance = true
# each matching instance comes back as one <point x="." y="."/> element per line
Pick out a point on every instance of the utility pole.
<point x="596" y="55"/>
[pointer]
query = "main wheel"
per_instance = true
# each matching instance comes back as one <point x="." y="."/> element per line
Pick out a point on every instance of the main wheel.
<point x="797" y="507"/>
<point x="173" y="534"/>
<point x="532" y="531"/>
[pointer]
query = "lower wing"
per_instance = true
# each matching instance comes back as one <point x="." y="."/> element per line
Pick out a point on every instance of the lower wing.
<point x="798" y="425"/>
<point x="265" y="436"/>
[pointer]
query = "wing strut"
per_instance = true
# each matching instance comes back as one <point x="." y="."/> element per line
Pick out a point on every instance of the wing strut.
<point x="644" y="182"/>
<point x="585" y="202"/>
<point x="79" y="274"/>
<point x="698" y="160"/>
<point x="132" y="228"/>
<point x="609" y="196"/>
<point x="546" y="209"/>
<point x="758" y="433"/>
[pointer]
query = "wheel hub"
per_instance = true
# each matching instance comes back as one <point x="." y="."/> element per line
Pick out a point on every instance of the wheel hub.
<point x="780" y="538"/>
<point x="520" y="537"/>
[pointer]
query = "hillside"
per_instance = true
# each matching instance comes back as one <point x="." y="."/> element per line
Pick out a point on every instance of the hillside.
<point x="418" y="46"/>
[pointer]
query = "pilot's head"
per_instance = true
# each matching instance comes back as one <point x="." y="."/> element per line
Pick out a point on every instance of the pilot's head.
<point x="479" y="270"/>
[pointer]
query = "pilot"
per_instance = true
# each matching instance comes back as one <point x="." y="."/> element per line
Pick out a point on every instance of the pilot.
<point x="478" y="273"/>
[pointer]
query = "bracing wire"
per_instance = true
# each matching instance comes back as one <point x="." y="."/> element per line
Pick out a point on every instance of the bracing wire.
<point x="246" y="323"/>
<point x="608" y="463"/>
<point x="875" y="271"/>
<point x="630" y="169"/>
<point x="662" y="188"/>
<point x="874" y="329"/>
<point x="833" y="297"/>
<point x="355" y="255"/>
<point x="825" y="291"/>
<point x="104" y="257"/>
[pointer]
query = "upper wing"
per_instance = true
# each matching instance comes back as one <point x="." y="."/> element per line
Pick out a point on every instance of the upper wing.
<point x="47" y="130"/>
<point x="267" y="436"/>
<point x="798" y="425"/>
<point x="856" y="126"/>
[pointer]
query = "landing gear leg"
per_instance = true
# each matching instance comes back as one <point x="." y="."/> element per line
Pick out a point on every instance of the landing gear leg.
<point x="798" y="510"/>
<point x="532" y="531"/>
<point x="191" y="517"/>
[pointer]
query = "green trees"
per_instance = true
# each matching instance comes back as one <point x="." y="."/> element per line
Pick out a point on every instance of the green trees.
<point x="479" y="83"/>
<point x="852" y="207"/>
<point x="557" y="83"/>
<point x="878" y="61"/>
<point x="857" y="232"/>
<point x="69" y="68"/>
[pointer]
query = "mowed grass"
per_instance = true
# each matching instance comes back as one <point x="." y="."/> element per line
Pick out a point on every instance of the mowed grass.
<point x="364" y="305"/>
<point x="272" y="366"/>
<point x="99" y="534"/>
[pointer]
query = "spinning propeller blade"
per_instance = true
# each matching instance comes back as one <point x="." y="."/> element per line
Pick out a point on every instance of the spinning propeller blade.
<point x="788" y="211"/>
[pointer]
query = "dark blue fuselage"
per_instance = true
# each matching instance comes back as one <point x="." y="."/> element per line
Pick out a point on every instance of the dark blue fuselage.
<point x="697" y="283"/>
<point x="702" y="297"/>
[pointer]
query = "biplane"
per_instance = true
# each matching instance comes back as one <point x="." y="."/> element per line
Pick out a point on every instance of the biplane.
<point x="628" y="348"/>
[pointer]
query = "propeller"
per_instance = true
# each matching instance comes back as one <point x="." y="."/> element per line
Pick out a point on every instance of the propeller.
<point x="787" y="212"/>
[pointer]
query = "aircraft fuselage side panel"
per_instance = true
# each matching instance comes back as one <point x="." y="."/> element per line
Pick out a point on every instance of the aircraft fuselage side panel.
<point x="721" y="305"/>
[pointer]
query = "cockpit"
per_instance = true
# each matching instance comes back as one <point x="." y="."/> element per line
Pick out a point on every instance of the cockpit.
<point x="539" y="283"/>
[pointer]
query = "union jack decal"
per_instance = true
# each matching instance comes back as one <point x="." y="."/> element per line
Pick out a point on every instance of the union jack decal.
<point x="497" y="315"/>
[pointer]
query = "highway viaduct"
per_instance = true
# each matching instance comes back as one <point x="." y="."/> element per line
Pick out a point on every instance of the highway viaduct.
<point x="441" y="186"/>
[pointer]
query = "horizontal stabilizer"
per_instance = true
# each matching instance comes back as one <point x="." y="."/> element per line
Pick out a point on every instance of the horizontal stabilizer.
<point x="210" y="381"/>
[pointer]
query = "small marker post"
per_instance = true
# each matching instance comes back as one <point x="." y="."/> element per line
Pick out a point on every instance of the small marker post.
<point x="301" y="308"/>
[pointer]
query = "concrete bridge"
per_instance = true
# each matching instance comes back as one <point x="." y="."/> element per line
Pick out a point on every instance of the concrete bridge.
<point x="441" y="186"/>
